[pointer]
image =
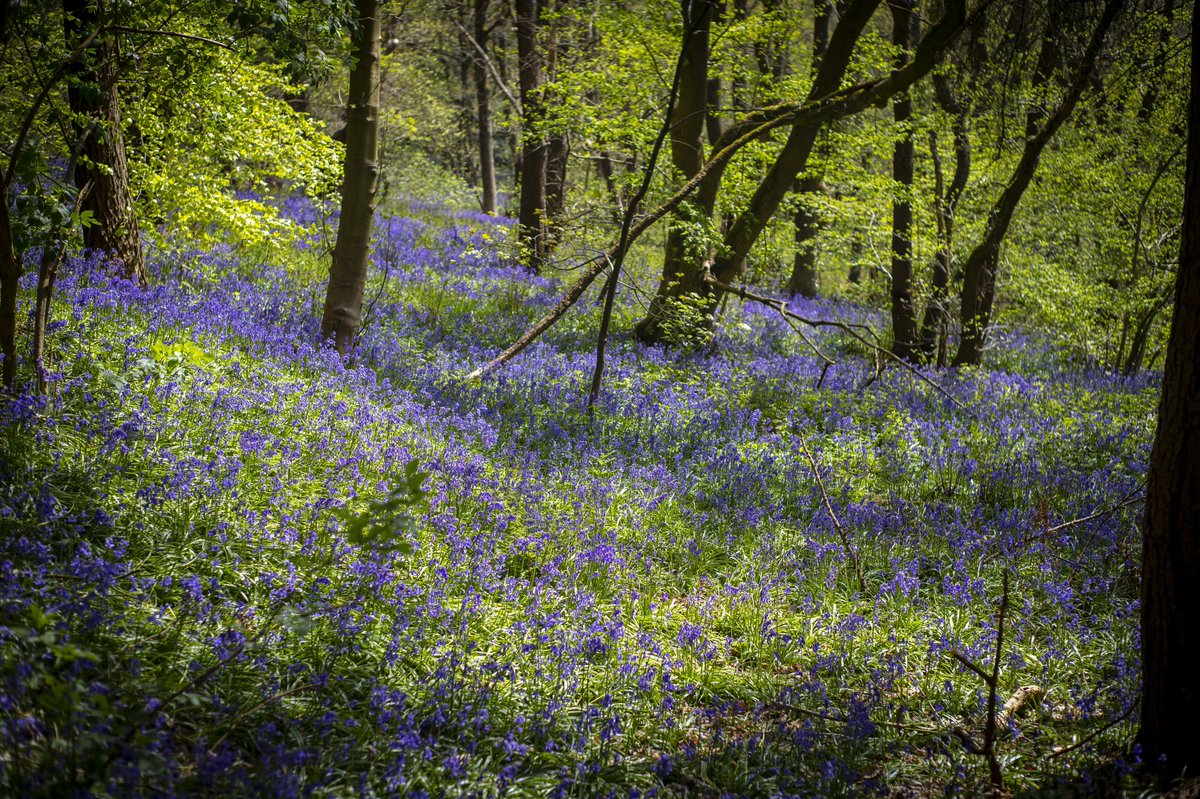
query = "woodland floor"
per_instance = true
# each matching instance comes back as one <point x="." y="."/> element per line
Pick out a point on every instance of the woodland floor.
<point x="216" y="577"/>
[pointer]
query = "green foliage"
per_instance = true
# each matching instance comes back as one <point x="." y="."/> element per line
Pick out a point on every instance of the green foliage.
<point x="218" y="130"/>
<point x="687" y="321"/>
<point x="386" y="524"/>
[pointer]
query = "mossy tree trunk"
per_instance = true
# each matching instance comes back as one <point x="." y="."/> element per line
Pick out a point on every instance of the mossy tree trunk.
<point x="96" y="106"/>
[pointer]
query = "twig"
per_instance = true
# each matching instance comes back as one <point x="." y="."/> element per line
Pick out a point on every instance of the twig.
<point x="1097" y="733"/>
<point x="841" y="531"/>
<point x="848" y="328"/>
<point x="989" y="731"/>
<point x="256" y="707"/>
<point x="169" y="34"/>
<point x="992" y="680"/>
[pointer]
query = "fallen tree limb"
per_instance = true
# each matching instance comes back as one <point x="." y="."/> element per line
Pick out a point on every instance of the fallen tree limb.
<point x="846" y="327"/>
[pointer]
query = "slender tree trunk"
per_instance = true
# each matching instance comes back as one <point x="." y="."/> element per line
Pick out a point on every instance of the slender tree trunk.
<point x="683" y="258"/>
<point x="558" y="150"/>
<point x="904" y="312"/>
<point x="807" y="221"/>
<point x="10" y="276"/>
<point x="937" y="315"/>
<point x="483" y="107"/>
<point x="1171" y="525"/>
<point x="351" y="254"/>
<point x="96" y="104"/>
<point x="807" y="224"/>
<point x="982" y="266"/>
<point x="531" y="216"/>
<point x="558" y="145"/>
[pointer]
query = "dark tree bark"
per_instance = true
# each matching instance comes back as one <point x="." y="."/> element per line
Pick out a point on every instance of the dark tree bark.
<point x="1171" y="525"/>
<point x="483" y="111"/>
<point x="558" y="143"/>
<point x="904" y="312"/>
<point x="96" y="104"/>
<point x="807" y="221"/>
<point x="682" y="260"/>
<point x="10" y="276"/>
<point x="531" y="215"/>
<point x="982" y="266"/>
<point x="342" y="318"/>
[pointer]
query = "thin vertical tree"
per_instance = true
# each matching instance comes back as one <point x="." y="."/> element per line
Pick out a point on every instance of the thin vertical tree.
<point x="904" y="312"/>
<point x="1171" y="525"/>
<point x="342" y="318"/>
<point x="483" y="108"/>
<point x="531" y="214"/>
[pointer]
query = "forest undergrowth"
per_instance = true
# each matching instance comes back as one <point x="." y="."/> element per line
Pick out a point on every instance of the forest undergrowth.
<point x="742" y="575"/>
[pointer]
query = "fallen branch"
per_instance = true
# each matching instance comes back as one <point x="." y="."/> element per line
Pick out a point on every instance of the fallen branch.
<point x="1134" y="496"/>
<point x="846" y="327"/>
<point x="1097" y="733"/>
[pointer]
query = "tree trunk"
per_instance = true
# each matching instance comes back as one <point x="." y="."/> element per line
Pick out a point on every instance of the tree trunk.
<point x="982" y="266"/>
<point x="558" y="145"/>
<point x="558" y="149"/>
<point x="1171" y="525"/>
<point x="807" y="221"/>
<point x="531" y="216"/>
<point x="96" y="106"/>
<point x="683" y="258"/>
<point x="10" y="276"/>
<point x="904" y="312"/>
<point x="937" y="316"/>
<point x="351" y="254"/>
<point x="483" y="109"/>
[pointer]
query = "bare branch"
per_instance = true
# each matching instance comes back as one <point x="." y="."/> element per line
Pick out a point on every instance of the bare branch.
<point x="850" y="329"/>
<point x="491" y="67"/>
